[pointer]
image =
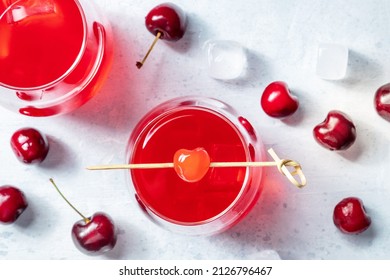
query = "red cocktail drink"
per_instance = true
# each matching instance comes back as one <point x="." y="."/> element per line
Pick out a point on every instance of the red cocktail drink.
<point x="223" y="195"/>
<point x="54" y="55"/>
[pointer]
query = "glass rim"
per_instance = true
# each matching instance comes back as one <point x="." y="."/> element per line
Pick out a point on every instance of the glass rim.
<point x="75" y="62"/>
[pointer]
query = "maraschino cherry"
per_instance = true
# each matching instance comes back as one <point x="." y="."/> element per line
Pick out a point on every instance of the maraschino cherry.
<point x="166" y="21"/>
<point x="12" y="204"/>
<point x="93" y="235"/>
<point x="336" y="132"/>
<point x="191" y="165"/>
<point x="29" y="145"/>
<point x="277" y="100"/>
<point x="350" y="216"/>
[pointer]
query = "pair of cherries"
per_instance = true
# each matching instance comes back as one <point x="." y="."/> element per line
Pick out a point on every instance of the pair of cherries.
<point x="349" y="215"/>
<point x="336" y="132"/>
<point x="92" y="235"/>
<point x="29" y="146"/>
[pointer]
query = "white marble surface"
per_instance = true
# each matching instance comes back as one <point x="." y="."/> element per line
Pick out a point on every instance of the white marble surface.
<point x="281" y="38"/>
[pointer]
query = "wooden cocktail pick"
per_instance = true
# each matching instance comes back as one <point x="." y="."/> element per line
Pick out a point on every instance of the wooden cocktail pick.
<point x="295" y="176"/>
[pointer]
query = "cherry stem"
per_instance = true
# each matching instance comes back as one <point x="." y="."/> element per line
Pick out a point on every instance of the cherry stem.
<point x="86" y="220"/>
<point x="140" y="63"/>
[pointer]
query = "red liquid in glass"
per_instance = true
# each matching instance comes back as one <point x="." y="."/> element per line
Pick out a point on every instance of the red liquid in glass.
<point x="163" y="191"/>
<point x="39" y="48"/>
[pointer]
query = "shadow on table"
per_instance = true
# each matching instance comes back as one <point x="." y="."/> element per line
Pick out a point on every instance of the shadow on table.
<point x="360" y="69"/>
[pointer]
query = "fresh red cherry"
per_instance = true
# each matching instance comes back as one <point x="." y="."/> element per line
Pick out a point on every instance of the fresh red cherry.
<point x="336" y="132"/>
<point x="191" y="165"/>
<point x="93" y="235"/>
<point x="29" y="145"/>
<point x="12" y="204"/>
<point x="350" y="216"/>
<point x="166" y="21"/>
<point x="382" y="101"/>
<point x="277" y="100"/>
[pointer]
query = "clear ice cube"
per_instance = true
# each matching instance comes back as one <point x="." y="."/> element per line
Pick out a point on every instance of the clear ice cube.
<point x="332" y="61"/>
<point x="226" y="59"/>
<point x="26" y="8"/>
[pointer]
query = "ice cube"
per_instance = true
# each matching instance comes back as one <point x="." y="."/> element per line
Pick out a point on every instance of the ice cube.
<point x="226" y="59"/>
<point x="25" y="9"/>
<point x="332" y="61"/>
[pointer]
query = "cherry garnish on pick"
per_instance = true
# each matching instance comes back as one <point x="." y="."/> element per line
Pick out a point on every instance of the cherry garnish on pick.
<point x="93" y="235"/>
<point x="166" y="21"/>
<point x="191" y="165"/>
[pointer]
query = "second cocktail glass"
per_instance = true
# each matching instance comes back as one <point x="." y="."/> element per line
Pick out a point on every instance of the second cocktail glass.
<point x="54" y="55"/>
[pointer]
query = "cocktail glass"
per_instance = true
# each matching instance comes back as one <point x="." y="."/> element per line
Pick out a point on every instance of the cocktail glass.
<point x="224" y="195"/>
<point x="54" y="55"/>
